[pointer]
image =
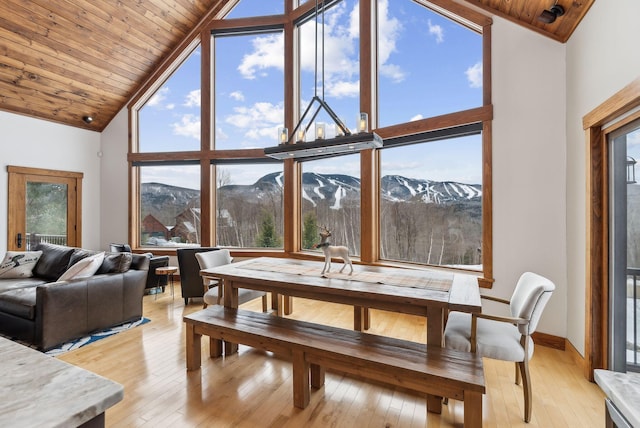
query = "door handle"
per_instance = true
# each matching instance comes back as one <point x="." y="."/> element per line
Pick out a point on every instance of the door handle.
<point x="19" y="240"/>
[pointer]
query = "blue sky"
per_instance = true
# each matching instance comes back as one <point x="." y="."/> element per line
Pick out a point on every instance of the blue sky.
<point x="429" y="65"/>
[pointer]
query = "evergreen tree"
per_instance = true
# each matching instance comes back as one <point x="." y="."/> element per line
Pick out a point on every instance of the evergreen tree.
<point x="267" y="236"/>
<point x="309" y="230"/>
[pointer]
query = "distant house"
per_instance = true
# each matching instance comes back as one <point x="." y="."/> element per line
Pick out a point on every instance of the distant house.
<point x="152" y="227"/>
<point x="187" y="227"/>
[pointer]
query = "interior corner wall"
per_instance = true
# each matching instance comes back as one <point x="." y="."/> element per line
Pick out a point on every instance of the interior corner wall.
<point x="35" y="143"/>
<point x="602" y="58"/>
<point x="114" y="183"/>
<point x="529" y="156"/>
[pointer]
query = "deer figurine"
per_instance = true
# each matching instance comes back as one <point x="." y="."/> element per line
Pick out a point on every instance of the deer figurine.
<point x="332" y="251"/>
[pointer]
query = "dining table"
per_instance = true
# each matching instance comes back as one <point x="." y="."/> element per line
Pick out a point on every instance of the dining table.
<point x="429" y="293"/>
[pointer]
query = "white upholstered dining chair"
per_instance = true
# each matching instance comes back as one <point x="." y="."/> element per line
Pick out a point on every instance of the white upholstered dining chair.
<point x="213" y="290"/>
<point x="506" y="338"/>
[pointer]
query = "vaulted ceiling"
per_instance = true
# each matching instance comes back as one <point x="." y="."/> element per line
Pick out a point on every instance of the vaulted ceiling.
<point x="66" y="59"/>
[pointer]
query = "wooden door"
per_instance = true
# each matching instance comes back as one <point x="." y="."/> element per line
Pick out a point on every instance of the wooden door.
<point x="44" y="206"/>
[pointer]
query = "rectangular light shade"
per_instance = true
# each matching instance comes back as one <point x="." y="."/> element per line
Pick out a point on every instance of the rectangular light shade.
<point x="333" y="146"/>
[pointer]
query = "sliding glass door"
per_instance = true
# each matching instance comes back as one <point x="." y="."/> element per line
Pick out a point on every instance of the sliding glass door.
<point x="624" y="239"/>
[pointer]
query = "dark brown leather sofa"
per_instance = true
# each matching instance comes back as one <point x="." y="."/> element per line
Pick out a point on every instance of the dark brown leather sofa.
<point x="46" y="313"/>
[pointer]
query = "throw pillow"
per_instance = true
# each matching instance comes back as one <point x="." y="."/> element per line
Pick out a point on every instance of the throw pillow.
<point x="116" y="263"/>
<point x="79" y="254"/>
<point x="84" y="268"/>
<point x="19" y="264"/>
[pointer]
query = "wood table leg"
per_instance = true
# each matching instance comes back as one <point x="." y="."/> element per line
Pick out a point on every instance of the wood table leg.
<point x="230" y="297"/>
<point x="317" y="376"/>
<point x="358" y="318"/>
<point x="288" y="305"/>
<point x="194" y="348"/>
<point x="215" y="347"/>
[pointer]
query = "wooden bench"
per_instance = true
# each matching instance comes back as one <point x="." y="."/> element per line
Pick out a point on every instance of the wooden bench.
<point x="312" y="348"/>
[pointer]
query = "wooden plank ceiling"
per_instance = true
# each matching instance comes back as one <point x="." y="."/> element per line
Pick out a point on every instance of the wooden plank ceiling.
<point x="66" y="59"/>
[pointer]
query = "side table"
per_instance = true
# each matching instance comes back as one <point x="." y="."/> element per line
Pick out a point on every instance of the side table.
<point x="168" y="271"/>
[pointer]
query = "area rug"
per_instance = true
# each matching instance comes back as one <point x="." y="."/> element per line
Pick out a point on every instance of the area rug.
<point x="83" y="341"/>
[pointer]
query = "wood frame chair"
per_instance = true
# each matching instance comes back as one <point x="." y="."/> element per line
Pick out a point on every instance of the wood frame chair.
<point x="212" y="289"/>
<point x="506" y="338"/>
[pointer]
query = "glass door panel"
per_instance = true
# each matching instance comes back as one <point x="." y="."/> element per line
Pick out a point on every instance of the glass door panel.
<point x="46" y="207"/>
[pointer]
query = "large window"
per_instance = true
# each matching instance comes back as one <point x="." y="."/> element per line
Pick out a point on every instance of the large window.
<point x="414" y="68"/>
<point x="429" y="65"/>
<point x="431" y="203"/>
<point x="248" y="89"/>
<point x="170" y="205"/>
<point x="331" y="199"/>
<point x="249" y="205"/>
<point x="170" y="119"/>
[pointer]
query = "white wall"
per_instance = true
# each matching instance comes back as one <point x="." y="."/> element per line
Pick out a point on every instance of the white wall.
<point x="115" y="181"/>
<point x="602" y="58"/>
<point x="36" y="143"/>
<point x="529" y="164"/>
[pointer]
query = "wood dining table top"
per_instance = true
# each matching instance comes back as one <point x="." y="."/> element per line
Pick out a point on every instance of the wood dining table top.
<point x="391" y="288"/>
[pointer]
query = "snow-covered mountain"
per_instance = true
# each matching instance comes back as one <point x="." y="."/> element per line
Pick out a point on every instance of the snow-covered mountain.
<point x="332" y="189"/>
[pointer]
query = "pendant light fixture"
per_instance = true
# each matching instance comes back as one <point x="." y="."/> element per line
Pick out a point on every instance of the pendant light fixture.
<point x="293" y="145"/>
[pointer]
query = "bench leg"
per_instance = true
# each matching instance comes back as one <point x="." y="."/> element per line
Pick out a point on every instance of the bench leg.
<point x="215" y="347"/>
<point x="194" y="357"/>
<point x="317" y="376"/>
<point x="301" y="392"/>
<point x="472" y="409"/>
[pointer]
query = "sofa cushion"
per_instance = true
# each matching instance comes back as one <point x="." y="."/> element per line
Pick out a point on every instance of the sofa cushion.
<point x="84" y="268"/>
<point x="19" y="264"/>
<point x="116" y="263"/>
<point x="7" y="284"/>
<point x="20" y="302"/>
<point x="54" y="260"/>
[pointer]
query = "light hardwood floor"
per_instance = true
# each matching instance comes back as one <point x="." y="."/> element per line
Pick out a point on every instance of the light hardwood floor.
<point x="254" y="389"/>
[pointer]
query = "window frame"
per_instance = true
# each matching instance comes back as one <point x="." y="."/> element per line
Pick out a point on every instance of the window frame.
<point x="369" y="159"/>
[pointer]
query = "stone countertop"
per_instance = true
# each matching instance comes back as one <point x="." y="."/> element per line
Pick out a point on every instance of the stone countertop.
<point x="42" y="391"/>
<point x="623" y="389"/>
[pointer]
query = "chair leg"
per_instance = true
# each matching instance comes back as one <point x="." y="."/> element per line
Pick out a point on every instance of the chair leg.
<point x="517" y="366"/>
<point x="526" y="387"/>
<point x="264" y="303"/>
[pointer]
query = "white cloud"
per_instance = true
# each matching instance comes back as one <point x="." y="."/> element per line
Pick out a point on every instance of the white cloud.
<point x="267" y="52"/>
<point x="193" y="99"/>
<point x="342" y="89"/>
<point x="189" y="126"/>
<point x="474" y="75"/>
<point x="437" y="31"/>
<point x="389" y="31"/>
<point x="340" y="41"/>
<point x="258" y="120"/>
<point x="237" y="95"/>
<point x="158" y="98"/>
<point x="416" y="117"/>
